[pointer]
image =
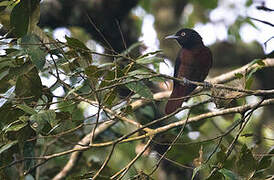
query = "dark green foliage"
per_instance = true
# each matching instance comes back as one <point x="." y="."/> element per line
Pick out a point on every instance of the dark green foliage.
<point x="37" y="122"/>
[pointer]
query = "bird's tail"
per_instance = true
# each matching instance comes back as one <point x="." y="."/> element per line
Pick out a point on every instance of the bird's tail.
<point x="179" y="91"/>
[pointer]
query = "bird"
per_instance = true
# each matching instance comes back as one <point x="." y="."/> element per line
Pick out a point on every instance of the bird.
<point x="193" y="62"/>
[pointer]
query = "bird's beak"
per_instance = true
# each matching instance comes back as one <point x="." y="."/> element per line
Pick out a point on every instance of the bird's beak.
<point x="172" y="37"/>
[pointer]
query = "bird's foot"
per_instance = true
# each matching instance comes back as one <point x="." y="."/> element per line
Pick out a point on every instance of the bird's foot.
<point x="186" y="82"/>
<point x="207" y="85"/>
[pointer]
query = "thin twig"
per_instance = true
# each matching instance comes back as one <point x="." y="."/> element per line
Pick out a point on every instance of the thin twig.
<point x="171" y="145"/>
<point x="265" y="22"/>
<point x="105" y="162"/>
<point x="123" y="171"/>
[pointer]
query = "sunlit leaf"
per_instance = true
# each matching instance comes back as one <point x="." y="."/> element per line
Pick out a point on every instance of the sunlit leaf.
<point x="149" y="60"/>
<point x="15" y="126"/>
<point x="150" y="53"/>
<point x="6" y="96"/>
<point x="105" y="65"/>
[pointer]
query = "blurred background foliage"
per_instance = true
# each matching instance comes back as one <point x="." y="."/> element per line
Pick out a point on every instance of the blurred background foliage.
<point x="39" y="76"/>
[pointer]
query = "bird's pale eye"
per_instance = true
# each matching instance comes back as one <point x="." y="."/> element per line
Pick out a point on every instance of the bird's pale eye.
<point x="183" y="34"/>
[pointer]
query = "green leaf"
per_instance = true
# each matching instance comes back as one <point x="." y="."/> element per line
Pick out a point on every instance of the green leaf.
<point x="109" y="98"/>
<point x="127" y="110"/>
<point x="72" y="42"/>
<point x="248" y="83"/>
<point x="29" y="151"/>
<point x="11" y="50"/>
<point x="141" y="89"/>
<point x="29" y="86"/>
<point x="74" y="90"/>
<point x="244" y="168"/>
<point x="130" y="49"/>
<point x="248" y="2"/>
<point x="6" y="96"/>
<point x="146" y="5"/>
<point x="6" y="3"/>
<point x="139" y="71"/>
<point x="7" y="146"/>
<point x="80" y="51"/>
<point x="221" y="155"/>
<point x="37" y="55"/>
<point x="208" y="4"/>
<point x="239" y="75"/>
<point x="150" y="53"/>
<point x="260" y="62"/>
<point x="19" y="19"/>
<point x="257" y="61"/>
<point x="249" y="77"/>
<point x="94" y="72"/>
<point x="24" y="118"/>
<point x="39" y="122"/>
<point x="247" y="20"/>
<point x="24" y="16"/>
<point x="149" y="60"/>
<point x="197" y="169"/>
<point x="15" y="126"/>
<point x="228" y="174"/>
<point x="27" y="109"/>
<point x="158" y="79"/>
<point x="252" y="72"/>
<point x="34" y="15"/>
<point x="104" y="65"/>
<point x="265" y="161"/>
<point x="216" y="176"/>
<point x="109" y="77"/>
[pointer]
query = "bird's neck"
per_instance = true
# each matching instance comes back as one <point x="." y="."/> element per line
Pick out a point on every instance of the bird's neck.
<point x="193" y="45"/>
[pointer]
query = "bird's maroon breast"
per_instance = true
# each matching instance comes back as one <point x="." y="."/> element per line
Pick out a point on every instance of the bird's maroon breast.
<point x="195" y="63"/>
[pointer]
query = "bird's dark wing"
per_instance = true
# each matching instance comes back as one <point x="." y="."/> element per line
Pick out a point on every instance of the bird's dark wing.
<point x="190" y="64"/>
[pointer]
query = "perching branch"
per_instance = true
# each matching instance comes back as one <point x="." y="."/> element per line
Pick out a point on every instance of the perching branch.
<point x="158" y="96"/>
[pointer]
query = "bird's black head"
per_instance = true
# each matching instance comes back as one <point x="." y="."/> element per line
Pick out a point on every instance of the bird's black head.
<point x="187" y="38"/>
